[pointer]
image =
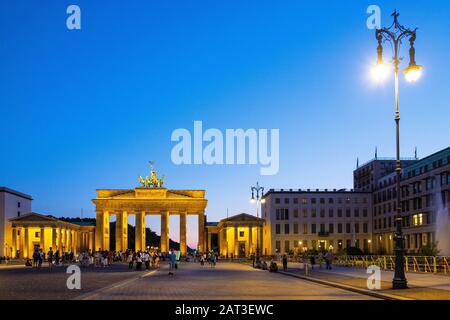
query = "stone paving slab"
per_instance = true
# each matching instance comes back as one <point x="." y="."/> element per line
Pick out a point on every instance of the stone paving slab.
<point x="421" y="286"/>
<point x="41" y="284"/>
<point x="228" y="281"/>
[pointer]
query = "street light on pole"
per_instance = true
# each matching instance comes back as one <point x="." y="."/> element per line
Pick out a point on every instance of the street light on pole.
<point x="258" y="199"/>
<point x="394" y="35"/>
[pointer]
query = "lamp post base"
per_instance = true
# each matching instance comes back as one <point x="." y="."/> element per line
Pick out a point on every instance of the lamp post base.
<point x="399" y="284"/>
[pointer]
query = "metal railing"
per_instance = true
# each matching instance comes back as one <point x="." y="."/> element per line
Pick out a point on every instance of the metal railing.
<point x="424" y="264"/>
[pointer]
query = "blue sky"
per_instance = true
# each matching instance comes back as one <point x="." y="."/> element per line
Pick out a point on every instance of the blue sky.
<point x="87" y="109"/>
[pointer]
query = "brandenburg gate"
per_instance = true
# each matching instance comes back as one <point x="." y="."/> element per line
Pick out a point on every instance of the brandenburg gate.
<point x="149" y="199"/>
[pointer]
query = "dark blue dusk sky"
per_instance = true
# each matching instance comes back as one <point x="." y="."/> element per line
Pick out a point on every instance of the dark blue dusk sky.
<point x="87" y="109"/>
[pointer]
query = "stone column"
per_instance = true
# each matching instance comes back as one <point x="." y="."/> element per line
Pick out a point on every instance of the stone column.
<point x="183" y="222"/>
<point x="14" y="243"/>
<point x="165" y="231"/>
<point x="209" y="241"/>
<point x="140" y="231"/>
<point x="106" y="230"/>
<point x="250" y="239"/>
<point x="122" y="231"/>
<point x="236" y="242"/>
<point x="26" y="244"/>
<point x="201" y="232"/>
<point x="42" y="243"/>
<point x="260" y="240"/>
<point x="69" y="240"/>
<point x="75" y="241"/>
<point x="63" y="234"/>
<point x="91" y="241"/>
<point x="54" y="235"/>
<point x="59" y="246"/>
<point x="99" y="230"/>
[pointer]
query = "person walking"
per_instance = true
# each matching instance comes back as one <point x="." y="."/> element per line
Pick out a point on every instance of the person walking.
<point x="285" y="262"/>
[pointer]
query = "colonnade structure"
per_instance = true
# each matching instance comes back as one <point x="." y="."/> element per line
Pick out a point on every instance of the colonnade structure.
<point x="236" y="236"/>
<point x="33" y="230"/>
<point x="143" y="201"/>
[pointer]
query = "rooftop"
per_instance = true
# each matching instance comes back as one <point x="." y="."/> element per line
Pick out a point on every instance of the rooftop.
<point x="16" y="193"/>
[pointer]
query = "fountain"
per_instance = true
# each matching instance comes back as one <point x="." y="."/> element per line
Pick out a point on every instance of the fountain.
<point x="442" y="226"/>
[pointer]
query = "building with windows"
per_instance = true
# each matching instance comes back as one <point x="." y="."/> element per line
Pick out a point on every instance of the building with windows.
<point x="425" y="193"/>
<point x="363" y="217"/>
<point x="12" y="204"/>
<point x="298" y="220"/>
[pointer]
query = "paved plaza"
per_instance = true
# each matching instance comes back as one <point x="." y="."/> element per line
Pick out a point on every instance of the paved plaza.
<point x="191" y="281"/>
<point x="426" y="286"/>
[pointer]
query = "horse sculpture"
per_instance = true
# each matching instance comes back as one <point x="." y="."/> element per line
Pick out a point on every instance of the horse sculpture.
<point x="153" y="181"/>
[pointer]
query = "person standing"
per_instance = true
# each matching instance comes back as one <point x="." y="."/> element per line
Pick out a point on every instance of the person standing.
<point x="147" y="260"/>
<point x="285" y="262"/>
<point x="40" y="258"/>
<point x="130" y="261"/>
<point x="138" y="261"/>
<point x="50" y="258"/>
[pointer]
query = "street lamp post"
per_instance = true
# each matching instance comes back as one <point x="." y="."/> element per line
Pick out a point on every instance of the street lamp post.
<point x="258" y="199"/>
<point x="394" y="35"/>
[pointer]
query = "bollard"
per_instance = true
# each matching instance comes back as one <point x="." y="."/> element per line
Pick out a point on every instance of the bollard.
<point x="306" y="268"/>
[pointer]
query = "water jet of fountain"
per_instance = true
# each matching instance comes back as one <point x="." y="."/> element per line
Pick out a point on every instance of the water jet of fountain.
<point x="442" y="227"/>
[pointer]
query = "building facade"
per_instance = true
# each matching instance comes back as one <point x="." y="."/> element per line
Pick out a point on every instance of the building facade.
<point x="298" y="220"/>
<point x="425" y="195"/>
<point x="235" y="237"/>
<point x="33" y="231"/>
<point x="12" y="204"/>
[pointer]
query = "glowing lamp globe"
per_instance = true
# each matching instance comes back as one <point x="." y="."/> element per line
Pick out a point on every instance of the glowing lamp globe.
<point x="413" y="73"/>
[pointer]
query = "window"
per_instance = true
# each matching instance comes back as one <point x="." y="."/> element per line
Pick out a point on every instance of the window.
<point x="282" y="214"/>
<point x="365" y="212"/>
<point x="286" y="200"/>
<point x="37" y="234"/>
<point x="340" y="213"/>
<point x="305" y="228"/>
<point x="305" y="213"/>
<point x="277" y="229"/>
<point x="331" y="228"/>
<point x="313" y="213"/>
<point x="356" y="227"/>
<point x="339" y="227"/>
<point x="18" y="213"/>
<point x="322" y="227"/>
<point x="330" y="213"/>
<point x="286" y="228"/>
<point x="277" y="200"/>
<point x="330" y="200"/>
<point x="322" y="213"/>
<point x="295" y="213"/>
<point x="286" y="246"/>
<point x="18" y="204"/>
<point x="322" y="200"/>
<point x="347" y="213"/>
<point x="296" y="228"/>
<point x="313" y="200"/>
<point x="304" y="201"/>
<point x="365" y="227"/>
<point x="356" y="212"/>
<point x="418" y="219"/>
<point x="295" y="200"/>
<point x="348" y="228"/>
<point x="278" y="245"/>
<point x="313" y="228"/>
<point x="241" y="234"/>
